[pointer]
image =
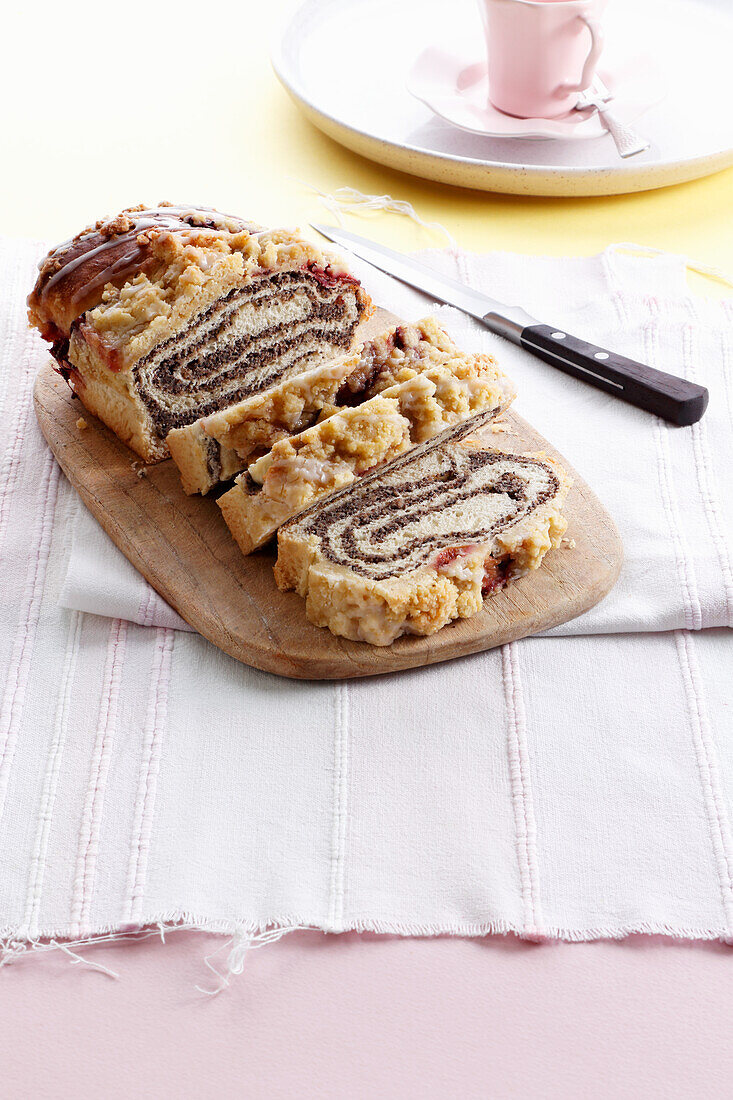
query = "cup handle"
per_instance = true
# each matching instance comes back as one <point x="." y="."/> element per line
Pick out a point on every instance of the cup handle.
<point x="596" y="46"/>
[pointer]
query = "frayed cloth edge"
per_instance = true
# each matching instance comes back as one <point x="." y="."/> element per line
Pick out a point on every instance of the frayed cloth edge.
<point x="229" y="958"/>
<point x="227" y="926"/>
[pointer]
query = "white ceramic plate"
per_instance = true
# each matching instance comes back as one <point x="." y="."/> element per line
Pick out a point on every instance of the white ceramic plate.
<point x="459" y="93"/>
<point x="345" y="63"/>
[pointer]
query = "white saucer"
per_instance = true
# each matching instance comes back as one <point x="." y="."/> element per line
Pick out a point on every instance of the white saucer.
<point x="459" y="93"/>
<point x="344" y="62"/>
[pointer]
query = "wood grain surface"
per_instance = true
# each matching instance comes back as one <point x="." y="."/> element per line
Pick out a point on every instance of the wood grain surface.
<point x="183" y="548"/>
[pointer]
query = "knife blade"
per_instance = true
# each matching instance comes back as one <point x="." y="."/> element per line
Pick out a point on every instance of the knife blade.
<point x="669" y="396"/>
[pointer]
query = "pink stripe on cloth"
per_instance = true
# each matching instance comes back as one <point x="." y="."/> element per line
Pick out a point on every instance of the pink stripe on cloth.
<point x="12" y="467"/>
<point x="146" y="611"/>
<point x="685" y="566"/>
<point x="21" y="273"/>
<point x="20" y="662"/>
<point x="50" y="781"/>
<point x="86" y="863"/>
<point x="521" y="784"/>
<point x="726" y="354"/>
<point x="155" y="727"/>
<point x="335" y="921"/>
<point x="706" y="479"/>
<point x="708" y="763"/>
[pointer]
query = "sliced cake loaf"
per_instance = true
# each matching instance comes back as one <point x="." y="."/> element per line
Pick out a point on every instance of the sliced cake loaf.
<point x="306" y="467"/>
<point x="422" y="541"/>
<point x="216" y="447"/>
<point x="161" y="316"/>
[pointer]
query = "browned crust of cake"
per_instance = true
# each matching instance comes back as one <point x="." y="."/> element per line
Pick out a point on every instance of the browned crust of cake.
<point x="162" y="243"/>
<point x="73" y="276"/>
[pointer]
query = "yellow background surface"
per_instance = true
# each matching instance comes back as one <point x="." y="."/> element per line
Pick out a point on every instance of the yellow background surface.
<point x="103" y="109"/>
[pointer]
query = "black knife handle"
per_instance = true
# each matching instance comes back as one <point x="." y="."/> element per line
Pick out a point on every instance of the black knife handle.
<point x="672" y="398"/>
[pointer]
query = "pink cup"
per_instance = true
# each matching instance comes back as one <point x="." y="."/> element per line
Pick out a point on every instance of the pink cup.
<point x="541" y="53"/>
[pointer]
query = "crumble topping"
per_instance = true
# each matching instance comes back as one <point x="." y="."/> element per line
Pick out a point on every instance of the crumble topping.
<point x="121" y="271"/>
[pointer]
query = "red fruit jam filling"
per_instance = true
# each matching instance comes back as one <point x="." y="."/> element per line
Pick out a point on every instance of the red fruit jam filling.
<point x="496" y="574"/>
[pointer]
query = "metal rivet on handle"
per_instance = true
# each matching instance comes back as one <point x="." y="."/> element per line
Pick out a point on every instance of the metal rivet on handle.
<point x="601" y="355"/>
<point x="558" y="335"/>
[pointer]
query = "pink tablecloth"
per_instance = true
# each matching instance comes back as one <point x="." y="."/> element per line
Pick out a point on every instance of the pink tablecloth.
<point x="361" y="1017"/>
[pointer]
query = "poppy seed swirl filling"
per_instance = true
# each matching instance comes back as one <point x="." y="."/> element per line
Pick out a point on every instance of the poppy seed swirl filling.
<point x="246" y="341"/>
<point x="388" y="526"/>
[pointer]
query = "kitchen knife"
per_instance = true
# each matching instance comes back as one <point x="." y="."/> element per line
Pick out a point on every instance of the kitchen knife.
<point x="674" y="399"/>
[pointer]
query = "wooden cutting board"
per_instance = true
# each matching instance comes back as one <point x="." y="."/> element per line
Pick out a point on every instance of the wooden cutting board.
<point x="183" y="547"/>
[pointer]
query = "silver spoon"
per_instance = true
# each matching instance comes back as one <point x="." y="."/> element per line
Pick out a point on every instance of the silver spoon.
<point x="627" y="141"/>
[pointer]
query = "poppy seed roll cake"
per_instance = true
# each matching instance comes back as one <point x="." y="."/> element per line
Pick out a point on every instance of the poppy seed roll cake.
<point x="422" y="541"/>
<point x="163" y="315"/>
<point x="353" y="440"/>
<point x="212" y="449"/>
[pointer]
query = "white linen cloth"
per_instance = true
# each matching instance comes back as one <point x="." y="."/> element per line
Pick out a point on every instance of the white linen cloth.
<point x="572" y="787"/>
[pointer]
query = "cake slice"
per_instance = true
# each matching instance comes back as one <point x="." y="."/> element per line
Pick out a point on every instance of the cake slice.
<point x="303" y="468"/>
<point x="216" y="447"/>
<point x="424" y="540"/>
<point x="163" y="315"/>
